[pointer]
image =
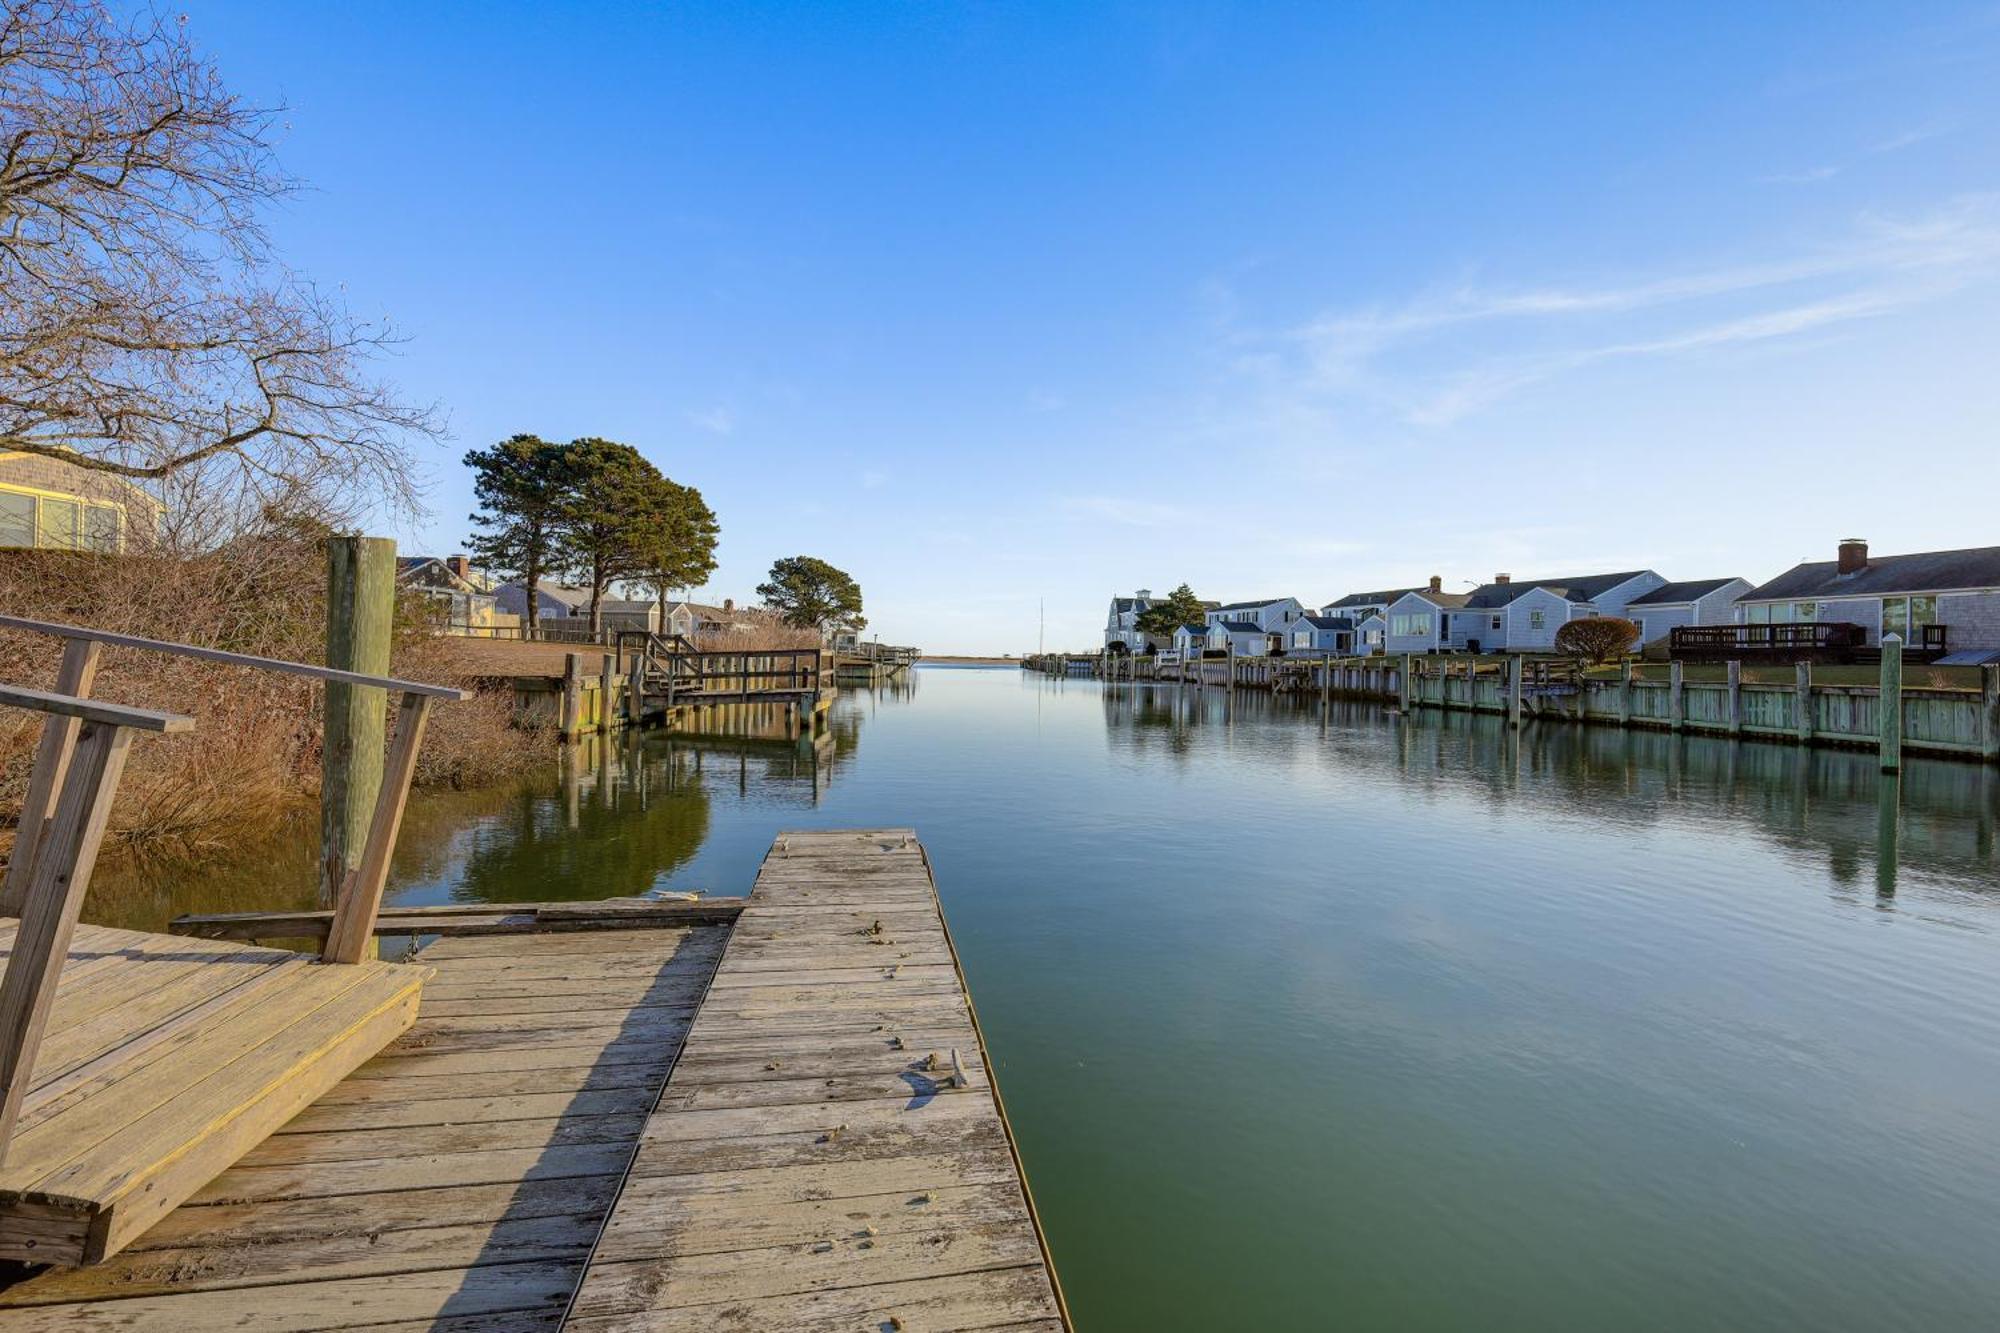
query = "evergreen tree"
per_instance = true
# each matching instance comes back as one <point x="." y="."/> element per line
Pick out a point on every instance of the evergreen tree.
<point x="811" y="594"/>
<point x="522" y="485"/>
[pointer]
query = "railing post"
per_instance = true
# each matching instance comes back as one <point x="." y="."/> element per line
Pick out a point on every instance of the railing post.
<point x="360" y="900"/>
<point x="1735" y="716"/>
<point x="360" y="607"/>
<point x="1889" y="707"/>
<point x="52" y="759"/>
<point x="54" y="891"/>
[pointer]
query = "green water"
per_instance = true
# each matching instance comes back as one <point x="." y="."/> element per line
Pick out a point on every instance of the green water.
<point x="1363" y="1022"/>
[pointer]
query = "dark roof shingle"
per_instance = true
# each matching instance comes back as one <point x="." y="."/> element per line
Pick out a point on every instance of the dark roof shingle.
<point x="1924" y="571"/>
<point x="1580" y="588"/>
<point x="1689" y="591"/>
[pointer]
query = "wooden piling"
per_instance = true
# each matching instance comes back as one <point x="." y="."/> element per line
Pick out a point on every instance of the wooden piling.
<point x="607" y="685"/>
<point x="1890" y="704"/>
<point x="1625" y="693"/>
<point x="1735" y="698"/>
<point x="1514" y="673"/>
<point x="1989" y="712"/>
<point x="1676" y="695"/>
<point x="360" y="608"/>
<point x="570" y="724"/>
<point x="1802" y="702"/>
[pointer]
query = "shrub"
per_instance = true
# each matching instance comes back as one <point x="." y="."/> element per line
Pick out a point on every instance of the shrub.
<point x="1597" y="639"/>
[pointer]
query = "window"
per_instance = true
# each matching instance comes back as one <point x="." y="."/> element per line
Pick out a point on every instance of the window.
<point x="1923" y="611"/>
<point x="1536" y="620"/>
<point x="56" y="523"/>
<point x="1805" y="613"/>
<point x="1896" y="617"/>
<point x="102" y="527"/>
<point x="1302" y="639"/>
<point x="1415" y="626"/>
<point x="1496" y="622"/>
<point x="1759" y="614"/>
<point x="17" y="519"/>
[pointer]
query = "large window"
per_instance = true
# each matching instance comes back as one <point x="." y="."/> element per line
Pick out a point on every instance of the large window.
<point x="1410" y="627"/>
<point x="1900" y="615"/>
<point x="58" y="522"/>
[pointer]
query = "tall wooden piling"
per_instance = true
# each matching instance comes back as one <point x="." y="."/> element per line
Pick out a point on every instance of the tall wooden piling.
<point x="360" y="610"/>
<point x="1735" y="698"/>
<point x="1989" y="712"/>
<point x="607" y="685"/>
<point x="1514" y="674"/>
<point x="571" y="721"/>
<point x="1676" y="695"/>
<point x="1802" y="703"/>
<point x="1625" y="693"/>
<point x="1890" y="704"/>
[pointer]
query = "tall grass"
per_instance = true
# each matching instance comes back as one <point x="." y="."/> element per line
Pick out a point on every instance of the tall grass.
<point x="252" y="761"/>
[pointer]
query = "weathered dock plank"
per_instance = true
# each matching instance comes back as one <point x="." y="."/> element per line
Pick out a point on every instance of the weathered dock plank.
<point x="831" y="1152"/>
<point x="455" y="1182"/>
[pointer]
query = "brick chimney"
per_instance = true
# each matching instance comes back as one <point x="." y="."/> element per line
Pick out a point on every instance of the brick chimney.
<point x="1503" y="578"/>
<point x="460" y="565"/>
<point x="1437" y="583"/>
<point x="1853" y="555"/>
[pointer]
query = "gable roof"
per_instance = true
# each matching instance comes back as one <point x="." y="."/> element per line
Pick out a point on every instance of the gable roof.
<point x="1196" y="631"/>
<point x="1241" y="626"/>
<point x="1578" y="588"/>
<point x="1372" y="598"/>
<point x="1692" y="590"/>
<point x="1328" y="622"/>
<point x="1247" y="606"/>
<point x="1447" y="600"/>
<point x="1925" y="571"/>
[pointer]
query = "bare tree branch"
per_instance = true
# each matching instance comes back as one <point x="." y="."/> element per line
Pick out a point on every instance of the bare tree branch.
<point x="145" y="329"/>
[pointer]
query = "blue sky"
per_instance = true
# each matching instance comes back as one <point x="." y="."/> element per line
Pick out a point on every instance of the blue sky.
<point x="999" y="303"/>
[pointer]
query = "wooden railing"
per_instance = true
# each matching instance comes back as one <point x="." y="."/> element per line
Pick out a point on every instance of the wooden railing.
<point x="668" y="664"/>
<point x="76" y="777"/>
<point x="1720" y="643"/>
<point x="358" y="897"/>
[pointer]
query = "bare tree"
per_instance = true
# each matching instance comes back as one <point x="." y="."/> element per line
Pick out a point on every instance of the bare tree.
<point x="145" y="328"/>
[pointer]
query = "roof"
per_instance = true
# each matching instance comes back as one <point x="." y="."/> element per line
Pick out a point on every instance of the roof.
<point x="1241" y="626"/>
<point x="1692" y="590"/>
<point x="1445" y="599"/>
<point x="1328" y="622"/>
<point x="1576" y="588"/>
<point x="1196" y="630"/>
<point x="1372" y="598"/>
<point x="1928" y="571"/>
<point x="1245" y="606"/>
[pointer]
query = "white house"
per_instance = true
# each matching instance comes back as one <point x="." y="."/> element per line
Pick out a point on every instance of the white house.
<point x="1190" y="641"/>
<point x="1121" y="624"/>
<point x="1696" y="602"/>
<point x="1273" y="615"/>
<point x="1358" y="606"/>
<point x="1417" y="619"/>
<point x="1323" y="634"/>
<point x="1369" y="634"/>
<point x="1246" y="638"/>
<point x="1933" y="595"/>
<point x="1516" y="616"/>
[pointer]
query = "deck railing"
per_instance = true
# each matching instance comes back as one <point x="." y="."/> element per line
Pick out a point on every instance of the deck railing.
<point x="359" y="896"/>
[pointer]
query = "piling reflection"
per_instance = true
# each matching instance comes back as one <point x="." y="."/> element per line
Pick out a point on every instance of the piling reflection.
<point x="609" y="816"/>
<point x="1829" y="807"/>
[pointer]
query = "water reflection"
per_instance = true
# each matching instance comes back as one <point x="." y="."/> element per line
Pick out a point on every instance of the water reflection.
<point x="1829" y="808"/>
<point x="609" y="816"/>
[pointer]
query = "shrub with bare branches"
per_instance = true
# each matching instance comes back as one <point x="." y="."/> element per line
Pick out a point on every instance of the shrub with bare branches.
<point x="1597" y="639"/>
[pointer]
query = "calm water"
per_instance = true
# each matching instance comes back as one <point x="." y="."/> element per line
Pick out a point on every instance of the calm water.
<point x="1359" y="1022"/>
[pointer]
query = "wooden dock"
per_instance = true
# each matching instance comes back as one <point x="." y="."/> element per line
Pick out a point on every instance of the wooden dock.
<point x="521" y="1159"/>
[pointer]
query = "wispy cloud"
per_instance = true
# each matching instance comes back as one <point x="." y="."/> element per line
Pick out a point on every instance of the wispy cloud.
<point x="1124" y="510"/>
<point x="1451" y="351"/>
<point x="714" y="420"/>
<point x="1894" y="143"/>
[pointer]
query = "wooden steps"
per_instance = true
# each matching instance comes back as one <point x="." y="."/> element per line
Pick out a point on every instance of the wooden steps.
<point x="166" y="1060"/>
<point x="454" y="1182"/>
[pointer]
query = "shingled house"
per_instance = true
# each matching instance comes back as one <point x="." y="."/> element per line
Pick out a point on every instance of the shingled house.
<point x="50" y="504"/>
<point x="1938" y="602"/>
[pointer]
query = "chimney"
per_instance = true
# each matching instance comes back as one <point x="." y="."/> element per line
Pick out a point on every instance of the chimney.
<point x="1853" y="555"/>
<point x="460" y="565"/>
<point x="1503" y="578"/>
<point x="1437" y="583"/>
